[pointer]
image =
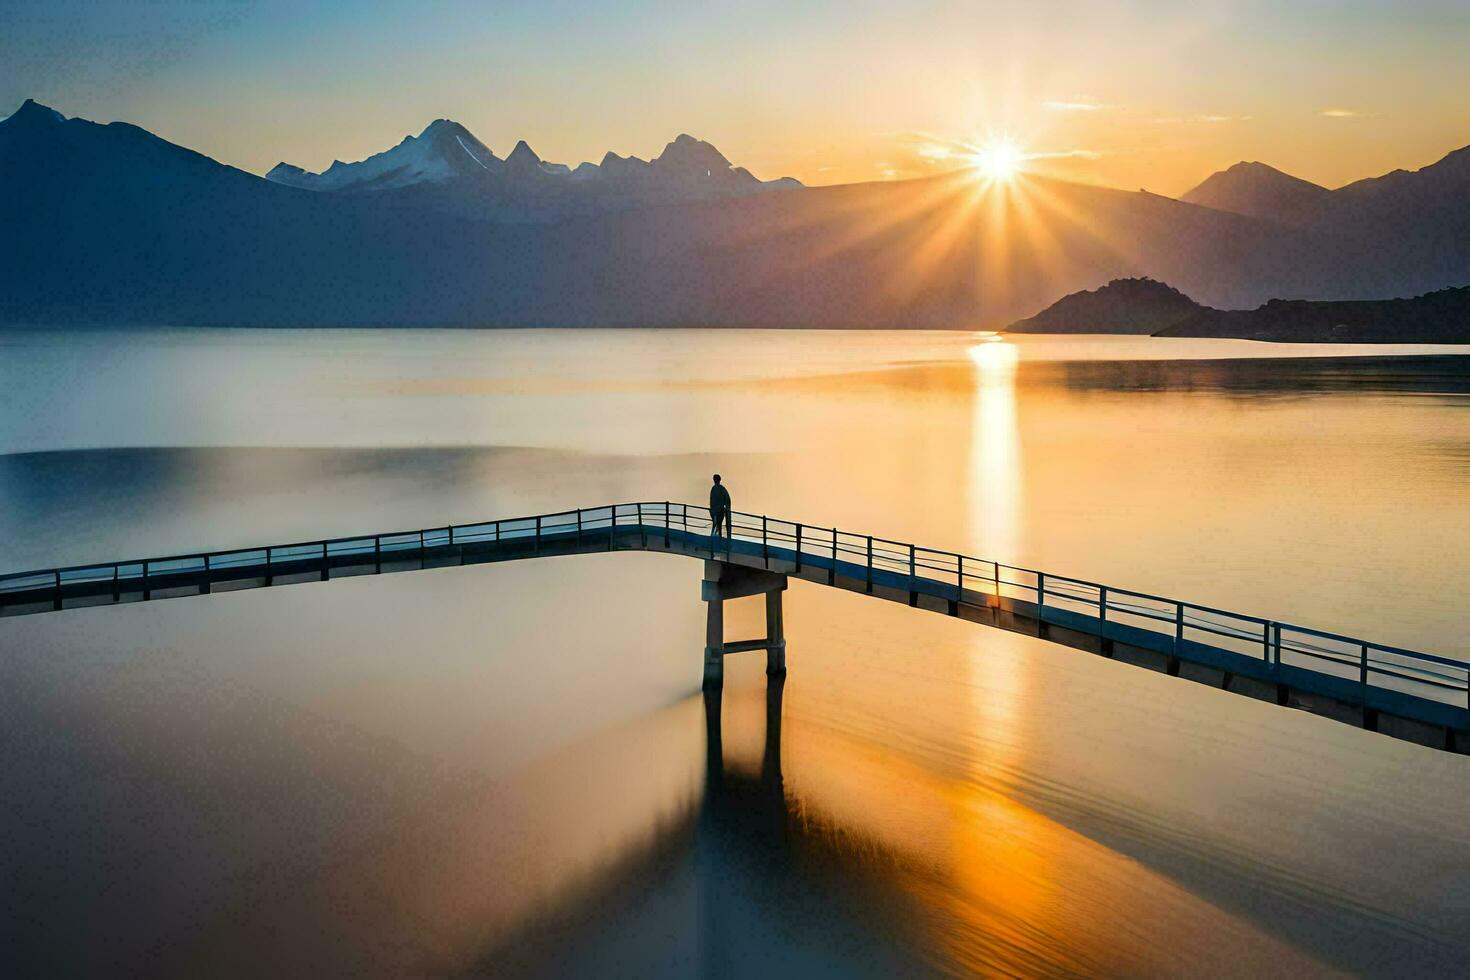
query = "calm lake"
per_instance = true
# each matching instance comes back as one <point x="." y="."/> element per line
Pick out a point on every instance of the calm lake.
<point x="510" y="769"/>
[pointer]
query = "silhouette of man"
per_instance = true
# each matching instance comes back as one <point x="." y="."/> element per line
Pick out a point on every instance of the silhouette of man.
<point x="719" y="509"/>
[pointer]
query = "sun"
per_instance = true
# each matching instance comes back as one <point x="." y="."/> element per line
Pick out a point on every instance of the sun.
<point x="1000" y="159"/>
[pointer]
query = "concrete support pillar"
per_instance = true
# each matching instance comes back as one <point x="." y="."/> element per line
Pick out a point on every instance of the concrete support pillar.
<point x="714" y="643"/>
<point x="775" y="636"/>
<point x="722" y="581"/>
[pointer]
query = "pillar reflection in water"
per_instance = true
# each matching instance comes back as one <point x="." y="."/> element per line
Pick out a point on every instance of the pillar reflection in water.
<point x="737" y="808"/>
<point x="780" y="892"/>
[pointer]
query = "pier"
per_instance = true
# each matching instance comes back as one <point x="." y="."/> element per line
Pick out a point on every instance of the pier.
<point x="1417" y="696"/>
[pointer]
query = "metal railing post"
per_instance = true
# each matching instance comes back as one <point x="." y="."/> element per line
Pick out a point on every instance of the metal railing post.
<point x="913" y="577"/>
<point x="1178" y="626"/>
<point x="832" y="572"/>
<point x="116" y="589"/>
<point x="642" y="531"/>
<point x="870" y="564"/>
<point x="1102" y="603"/>
<point x="1041" y="588"/>
<point x="667" y="522"/>
<point x="1363" y="674"/>
<point x="56" y="603"/>
<point x="765" y="544"/>
<point x="1266" y="642"/>
<point x="377" y="555"/>
<point x="959" y="578"/>
<point x="579" y="529"/>
<point x="995" y="580"/>
<point x="148" y="593"/>
<point x="324" y="561"/>
<point x="798" y="549"/>
<point x="536" y="544"/>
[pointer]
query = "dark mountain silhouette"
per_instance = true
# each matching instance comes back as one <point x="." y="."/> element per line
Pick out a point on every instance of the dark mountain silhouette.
<point x="1143" y="306"/>
<point x="1123" y="306"/>
<point x="110" y="224"/>
<point x="1413" y="226"/>
<point x="1262" y="192"/>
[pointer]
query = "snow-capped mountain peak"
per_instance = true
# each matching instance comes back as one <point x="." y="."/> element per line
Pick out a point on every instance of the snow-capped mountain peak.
<point x="449" y="156"/>
<point x="444" y="151"/>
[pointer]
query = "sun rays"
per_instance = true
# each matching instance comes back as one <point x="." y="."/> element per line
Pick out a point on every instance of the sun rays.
<point x="989" y="234"/>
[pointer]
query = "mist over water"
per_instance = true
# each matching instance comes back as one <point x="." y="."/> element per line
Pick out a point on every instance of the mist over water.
<point x="508" y="769"/>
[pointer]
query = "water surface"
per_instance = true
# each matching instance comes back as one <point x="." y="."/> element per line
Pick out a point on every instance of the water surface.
<point x="508" y="769"/>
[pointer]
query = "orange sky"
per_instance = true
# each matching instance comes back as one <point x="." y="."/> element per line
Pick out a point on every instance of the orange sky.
<point x="1131" y="93"/>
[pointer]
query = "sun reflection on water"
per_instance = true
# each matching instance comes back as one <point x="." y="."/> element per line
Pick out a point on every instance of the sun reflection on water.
<point x="995" y="453"/>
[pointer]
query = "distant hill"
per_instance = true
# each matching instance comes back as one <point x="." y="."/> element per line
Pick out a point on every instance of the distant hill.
<point x="1262" y="192"/>
<point x="1123" y="306"/>
<point x="108" y="224"/>
<point x="1138" y="306"/>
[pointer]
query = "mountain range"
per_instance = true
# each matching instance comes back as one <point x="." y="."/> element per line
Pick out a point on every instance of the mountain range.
<point x="109" y="224"/>
<point x="448" y="168"/>
<point x="1414" y="223"/>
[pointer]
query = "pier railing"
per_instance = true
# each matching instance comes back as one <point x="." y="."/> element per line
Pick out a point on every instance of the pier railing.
<point x="1151" y="621"/>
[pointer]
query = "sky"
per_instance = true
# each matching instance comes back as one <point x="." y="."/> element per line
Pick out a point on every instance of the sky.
<point x="1128" y="93"/>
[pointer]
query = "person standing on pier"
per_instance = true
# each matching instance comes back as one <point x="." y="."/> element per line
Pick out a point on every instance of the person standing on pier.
<point x="719" y="509"/>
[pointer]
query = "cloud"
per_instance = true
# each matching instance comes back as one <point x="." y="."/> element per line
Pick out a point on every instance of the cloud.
<point x="1340" y="113"/>
<point x="1063" y="155"/>
<point x="1078" y="105"/>
<point x="1201" y="118"/>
